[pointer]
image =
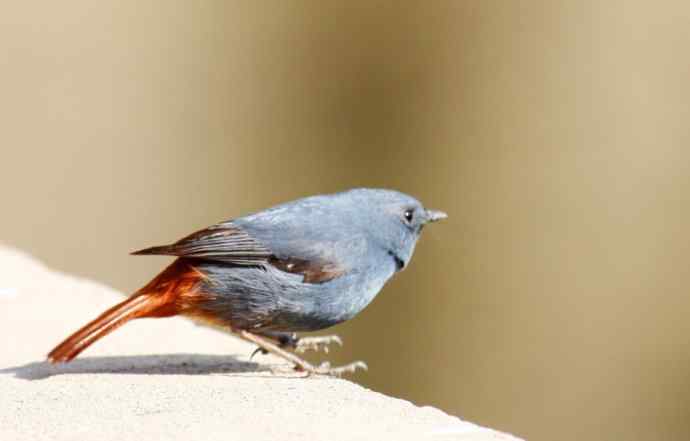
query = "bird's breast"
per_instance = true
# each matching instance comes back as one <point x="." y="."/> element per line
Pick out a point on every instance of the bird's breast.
<point x="270" y="299"/>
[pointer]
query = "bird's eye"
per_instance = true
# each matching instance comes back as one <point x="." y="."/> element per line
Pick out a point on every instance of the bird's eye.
<point x="409" y="215"/>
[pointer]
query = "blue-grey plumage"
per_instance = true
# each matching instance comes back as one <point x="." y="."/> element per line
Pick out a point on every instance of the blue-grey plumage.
<point x="359" y="239"/>
<point x="268" y="299"/>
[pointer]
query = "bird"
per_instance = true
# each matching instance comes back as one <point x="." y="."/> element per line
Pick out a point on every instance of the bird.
<point x="300" y="266"/>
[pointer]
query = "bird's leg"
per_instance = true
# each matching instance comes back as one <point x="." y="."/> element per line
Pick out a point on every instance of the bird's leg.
<point x="300" y="364"/>
<point x="268" y="346"/>
<point x="284" y="340"/>
<point x="302" y="344"/>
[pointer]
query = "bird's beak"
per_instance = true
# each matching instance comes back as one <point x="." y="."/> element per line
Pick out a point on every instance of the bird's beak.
<point x="435" y="215"/>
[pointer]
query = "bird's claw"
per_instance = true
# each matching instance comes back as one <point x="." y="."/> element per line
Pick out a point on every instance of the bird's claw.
<point x="258" y="350"/>
<point x="326" y="369"/>
<point x="318" y="343"/>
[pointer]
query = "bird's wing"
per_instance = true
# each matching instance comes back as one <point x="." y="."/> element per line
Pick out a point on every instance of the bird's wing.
<point x="317" y="260"/>
<point x="222" y="242"/>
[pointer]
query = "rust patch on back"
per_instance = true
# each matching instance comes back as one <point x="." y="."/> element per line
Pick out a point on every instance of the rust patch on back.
<point x="178" y="287"/>
<point x="312" y="271"/>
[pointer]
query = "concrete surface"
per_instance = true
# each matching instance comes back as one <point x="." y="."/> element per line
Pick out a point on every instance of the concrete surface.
<point x="170" y="379"/>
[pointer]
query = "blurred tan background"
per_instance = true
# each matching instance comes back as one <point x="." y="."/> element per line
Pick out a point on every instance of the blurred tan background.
<point x="553" y="303"/>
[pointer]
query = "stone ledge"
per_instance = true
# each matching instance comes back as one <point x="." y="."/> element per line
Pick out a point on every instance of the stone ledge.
<point x="200" y="385"/>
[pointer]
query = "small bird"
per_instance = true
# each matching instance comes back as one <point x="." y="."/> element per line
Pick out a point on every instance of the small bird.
<point x="301" y="266"/>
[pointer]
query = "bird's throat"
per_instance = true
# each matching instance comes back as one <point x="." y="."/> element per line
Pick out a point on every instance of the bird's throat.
<point x="399" y="262"/>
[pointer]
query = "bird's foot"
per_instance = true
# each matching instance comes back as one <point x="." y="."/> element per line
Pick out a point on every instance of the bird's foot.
<point x="319" y="343"/>
<point x="338" y="371"/>
<point x="299" y="363"/>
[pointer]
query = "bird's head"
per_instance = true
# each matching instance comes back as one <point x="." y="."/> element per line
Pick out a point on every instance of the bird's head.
<point x="393" y="220"/>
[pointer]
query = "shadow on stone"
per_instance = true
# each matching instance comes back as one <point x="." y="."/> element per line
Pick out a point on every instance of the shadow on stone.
<point x="168" y="364"/>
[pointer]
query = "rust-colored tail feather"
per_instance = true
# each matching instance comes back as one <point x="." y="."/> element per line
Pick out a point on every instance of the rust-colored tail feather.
<point x="139" y="305"/>
<point x="173" y="291"/>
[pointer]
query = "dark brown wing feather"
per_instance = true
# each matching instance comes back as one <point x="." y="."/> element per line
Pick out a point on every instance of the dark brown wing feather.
<point x="224" y="243"/>
<point x="227" y="243"/>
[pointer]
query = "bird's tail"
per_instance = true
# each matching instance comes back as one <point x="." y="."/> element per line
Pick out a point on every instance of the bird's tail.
<point x="173" y="291"/>
<point x="139" y="305"/>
